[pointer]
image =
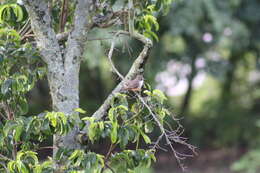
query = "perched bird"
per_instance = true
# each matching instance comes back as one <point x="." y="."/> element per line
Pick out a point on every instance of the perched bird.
<point x="135" y="84"/>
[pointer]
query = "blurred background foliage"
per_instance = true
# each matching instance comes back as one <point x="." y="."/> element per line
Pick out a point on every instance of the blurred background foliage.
<point x="207" y="62"/>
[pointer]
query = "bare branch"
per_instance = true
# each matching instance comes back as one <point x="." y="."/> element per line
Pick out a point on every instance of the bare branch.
<point x="111" y="62"/>
<point x="136" y="68"/>
<point x="4" y="157"/>
<point x="170" y="136"/>
<point x="3" y="164"/>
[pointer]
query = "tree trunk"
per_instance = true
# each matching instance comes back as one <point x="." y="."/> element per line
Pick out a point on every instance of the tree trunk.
<point x="63" y="64"/>
<point x="64" y="90"/>
<point x="226" y="92"/>
<point x="186" y="101"/>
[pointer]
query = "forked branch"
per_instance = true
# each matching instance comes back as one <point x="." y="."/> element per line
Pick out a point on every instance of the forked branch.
<point x="171" y="137"/>
<point x="136" y="68"/>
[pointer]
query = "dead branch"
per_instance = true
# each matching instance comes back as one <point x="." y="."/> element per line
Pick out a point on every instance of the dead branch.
<point x="111" y="62"/>
<point x="173" y="136"/>
<point x="136" y="68"/>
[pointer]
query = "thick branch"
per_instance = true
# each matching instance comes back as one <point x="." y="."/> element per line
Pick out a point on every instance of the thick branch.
<point x="45" y="35"/>
<point x="136" y="68"/>
<point x="78" y="35"/>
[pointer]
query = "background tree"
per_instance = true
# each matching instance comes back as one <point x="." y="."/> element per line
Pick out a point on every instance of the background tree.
<point x="60" y="41"/>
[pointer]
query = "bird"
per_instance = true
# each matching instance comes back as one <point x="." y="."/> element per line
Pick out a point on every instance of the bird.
<point x="135" y="84"/>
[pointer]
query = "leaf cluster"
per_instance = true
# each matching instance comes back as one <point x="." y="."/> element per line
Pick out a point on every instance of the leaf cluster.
<point x="27" y="133"/>
<point x="146" y="16"/>
<point x="12" y="14"/>
<point x="20" y="68"/>
<point x="128" y="121"/>
<point x="27" y="162"/>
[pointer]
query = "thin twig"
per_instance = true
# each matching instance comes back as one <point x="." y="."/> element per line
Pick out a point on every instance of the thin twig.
<point x="4" y="166"/>
<point x="25" y="28"/>
<point x="97" y="39"/>
<point x="111" y="62"/>
<point x="110" y="168"/>
<point x="3" y="116"/>
<point x="5" y="158"/>
<point x="177" y="155"/>
<point x="111" y="148"/>
<point x="173" y="136"/>
<point x="48" y="147"/>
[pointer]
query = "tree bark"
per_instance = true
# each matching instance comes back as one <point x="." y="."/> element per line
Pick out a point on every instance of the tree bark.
<point x="64" y="89"/>
<point x="63" y="64"/>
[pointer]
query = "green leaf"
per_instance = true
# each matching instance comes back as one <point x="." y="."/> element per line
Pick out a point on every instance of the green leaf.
<point x="123" y="137"/>
<point x="114" y="132"/>
<point x="18" y="132"/>
<point x="111" y="114"/>
<point x="23" y="105"/>
<point x="47" y="164"/>
<point x="91" y="119"/>
<point x="80" y="110"/>
<point x="159" y="95"/>
<point x="92" y="131"/>
<point x="10" y="125"/>
<point x="136" y="108"/>
<point x="151" y="34"/>
<point x="147" y="140"/>
<point x="11" y="165"/>
<point x="101" y="125"/>
<point x="123" y="107"/>
<point x="18" y="11"/>
<point x="63" y="117"/>
<point x="75" y="154"/>
<point x="148" y="127"/>
<point x="1" y="58"/>
<point x="24" y="168"/>
<point x="147" y="92"/>
<point x="11" y="13"/>
<point x="119" y="99"/>
<point x="54" y="122"/>
<point x="37" y="169"/>
<point x="6" y="86"/>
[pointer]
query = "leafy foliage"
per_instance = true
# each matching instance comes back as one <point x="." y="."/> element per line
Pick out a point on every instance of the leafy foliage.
<point x="146" y="22"/>
<point x="27" y="161"/>
<point x="12" y="14"/>
<point x="124" y="125"/>
<point x="20" y="68"/>
<point x="129" y="120"/>
<point x="249" y="163"/>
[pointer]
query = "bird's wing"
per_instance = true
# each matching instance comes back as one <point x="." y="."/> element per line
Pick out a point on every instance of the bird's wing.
<point x="131" y="84"/>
